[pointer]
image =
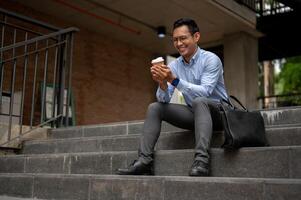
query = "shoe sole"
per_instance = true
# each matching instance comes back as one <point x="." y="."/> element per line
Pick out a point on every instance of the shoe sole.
<point x="199" y="174"/>
<point x="143" y="174"/>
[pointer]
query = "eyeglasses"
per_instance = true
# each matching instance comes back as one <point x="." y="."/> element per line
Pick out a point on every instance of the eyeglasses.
<point x="182" y="38"/>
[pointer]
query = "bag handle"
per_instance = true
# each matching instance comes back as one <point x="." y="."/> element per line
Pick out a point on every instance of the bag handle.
<point x="223" y="106"/>
<point x="228" y="101"/>
<point x="233" y="97"/>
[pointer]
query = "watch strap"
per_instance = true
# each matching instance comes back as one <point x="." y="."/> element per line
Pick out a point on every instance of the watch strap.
<point x="175" y="82"/>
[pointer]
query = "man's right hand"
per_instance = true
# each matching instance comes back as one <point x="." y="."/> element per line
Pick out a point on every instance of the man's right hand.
<point x="158" y="77"/>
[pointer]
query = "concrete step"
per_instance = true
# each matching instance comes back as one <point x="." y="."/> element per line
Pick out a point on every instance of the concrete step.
<point x="282" y="116"/>
<point x="9" y="150"/>
<point x="172" y="140"/>
<point x="109" y="187"/>
<point x="121" y="128"/>
<point x="272" y="117"/>
<point x="264" y="162"/>
<point x="15" y="198"/>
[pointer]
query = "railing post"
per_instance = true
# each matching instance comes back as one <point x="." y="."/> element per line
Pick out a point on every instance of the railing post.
<point x="61" y="83"/>
<point x="43" y="103"/>
<point x="34" y="85"/>
<point x="54" y="94"/>
<point x="23" y="86"/>
<point x="69" y="76"/>
<point x="12" y="89"/>
<point x="2" y="64"/>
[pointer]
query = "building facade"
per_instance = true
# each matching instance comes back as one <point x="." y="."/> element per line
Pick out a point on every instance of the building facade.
<point x="117" y="39"/>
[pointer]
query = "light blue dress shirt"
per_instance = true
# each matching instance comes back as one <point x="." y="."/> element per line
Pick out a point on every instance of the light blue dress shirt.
<point x="201" y="77"/>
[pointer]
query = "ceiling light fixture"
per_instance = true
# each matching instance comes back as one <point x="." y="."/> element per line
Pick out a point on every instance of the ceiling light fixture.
<point x="161" y="30"/>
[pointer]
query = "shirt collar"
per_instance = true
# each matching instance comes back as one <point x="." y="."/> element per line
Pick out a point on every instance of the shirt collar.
<point x="193" y="59"/>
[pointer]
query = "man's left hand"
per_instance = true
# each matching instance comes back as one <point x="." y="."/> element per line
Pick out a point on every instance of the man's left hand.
<point x="165" y="73"/>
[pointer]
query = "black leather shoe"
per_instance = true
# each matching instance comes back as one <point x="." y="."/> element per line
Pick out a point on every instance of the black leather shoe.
<point x="137" y="168"/>
<point x="199" y="168"/>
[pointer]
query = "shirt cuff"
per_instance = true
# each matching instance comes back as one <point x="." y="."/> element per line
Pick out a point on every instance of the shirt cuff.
<point x="162" y="94"/>
<point x="182" y="85"/>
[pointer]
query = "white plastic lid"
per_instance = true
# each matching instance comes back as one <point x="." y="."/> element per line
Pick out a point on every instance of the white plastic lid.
<point x="157" y="60"/>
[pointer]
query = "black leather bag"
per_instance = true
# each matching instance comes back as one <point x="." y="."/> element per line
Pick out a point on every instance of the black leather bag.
<point x="242" y="128"/>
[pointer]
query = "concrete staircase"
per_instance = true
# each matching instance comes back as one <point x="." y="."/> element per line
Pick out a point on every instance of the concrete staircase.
<point x="80" y="163"/>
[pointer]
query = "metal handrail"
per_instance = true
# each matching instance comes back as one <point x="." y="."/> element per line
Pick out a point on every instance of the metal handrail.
<point x="36" y="127"/>
<point x="38" y="51"/>
<point x="290" y="99"/>
<point x="39" y="38"/>
<point x="63" y="61"/>
<point x="20" y="28"/>
<point x="30" y="20"/>
<point x="32" y="52"/>
<point x="279" y="95"/>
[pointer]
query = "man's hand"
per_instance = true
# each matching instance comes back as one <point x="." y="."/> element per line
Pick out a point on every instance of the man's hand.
<point x="156" y="73"/>
<point x="158" y="77"/>
<point x="167" y="73"/>
<point x="162" y="73"/>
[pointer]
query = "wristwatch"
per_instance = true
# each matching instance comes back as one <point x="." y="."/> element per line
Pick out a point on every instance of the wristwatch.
<point x="175" y="82"/>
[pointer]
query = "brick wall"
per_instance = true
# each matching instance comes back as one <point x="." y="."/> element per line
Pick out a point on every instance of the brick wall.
<point x="111" y="80"/>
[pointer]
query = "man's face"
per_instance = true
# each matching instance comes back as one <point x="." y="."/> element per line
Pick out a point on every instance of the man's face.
<point x="184" y="42"/>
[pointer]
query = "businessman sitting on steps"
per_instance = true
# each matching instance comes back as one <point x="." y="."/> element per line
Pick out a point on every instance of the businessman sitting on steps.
<point x="198" y="74"/>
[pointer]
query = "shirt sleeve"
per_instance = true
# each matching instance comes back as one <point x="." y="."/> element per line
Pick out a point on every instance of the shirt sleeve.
<point x="211" y="73"/>
<point x="165" y="96"/>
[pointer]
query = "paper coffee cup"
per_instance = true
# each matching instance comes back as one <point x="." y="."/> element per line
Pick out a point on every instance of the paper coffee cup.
<point x="158" y="61"/>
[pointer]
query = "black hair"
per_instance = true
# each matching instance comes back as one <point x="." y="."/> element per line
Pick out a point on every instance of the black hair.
<point x="190" y="23"/>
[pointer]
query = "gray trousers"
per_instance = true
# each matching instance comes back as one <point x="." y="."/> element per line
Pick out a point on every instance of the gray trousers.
<point x="202" y="117"/>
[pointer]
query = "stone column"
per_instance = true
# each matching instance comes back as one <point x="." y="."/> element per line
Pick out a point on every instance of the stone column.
<point x="241" y="68"/>
<point x="268" y="68"/>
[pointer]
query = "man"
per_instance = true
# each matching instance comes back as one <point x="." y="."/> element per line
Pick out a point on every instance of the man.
<point x="198" y="74"/>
